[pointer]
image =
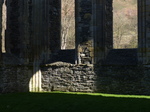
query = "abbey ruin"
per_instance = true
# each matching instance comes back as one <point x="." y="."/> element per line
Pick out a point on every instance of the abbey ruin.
<point x="31" y="58"/>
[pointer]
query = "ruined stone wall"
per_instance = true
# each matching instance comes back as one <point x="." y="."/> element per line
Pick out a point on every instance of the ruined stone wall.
<point x="98" y="30"/>
<point x="55" y="25"/>
<point x="141" y="30"/>
<point x="17" y="38"/>
<point x="124" y="80"/>
<point x="44" y="29"/>
<point x="94" y="37"/>
<point x="102" y="29"/>
<point x="25" y="30"/>
<point x="15" y="78"/>
<point x="28" y="30"/>
<point x="33" y="36"/>
<point x="61" y="76"/>
<point x="83" y="78"/>
<point x="13" y="31"/>
<point x="84" y="38"/>
<point x="67" y="77"/>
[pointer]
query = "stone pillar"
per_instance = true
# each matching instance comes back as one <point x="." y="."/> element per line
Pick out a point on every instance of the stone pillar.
<point x="18" y="30"/>
<point x="147" y="31"/>
<point x="84" y="37"/>
<point x="144" y="31"/>
<point x="37" y="36"/>
<point x="108" y="25"/>
<point x="13" y="31"/>
<point x="55" y="25"/>
<point x="94" y="34"/>
<point x="141" y="30"/>
<point x="25" y="30"/>
<point x="99" y="50"/>
<point x="102" y="28"/>
<point x="45" y="35"/>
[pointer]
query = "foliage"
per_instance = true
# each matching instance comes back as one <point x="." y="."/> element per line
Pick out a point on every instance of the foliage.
<point x="68" y="24"/>
<point x="124" y="28"/>
<point x="73" y="102"/>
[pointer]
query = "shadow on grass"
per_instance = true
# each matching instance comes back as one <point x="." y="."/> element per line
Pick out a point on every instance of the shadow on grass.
<point x="66" y="102"/>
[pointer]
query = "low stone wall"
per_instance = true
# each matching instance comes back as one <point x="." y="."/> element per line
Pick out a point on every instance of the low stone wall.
<point x="106" y="79"/>
<point x="68" y="77"/>
<point x="61" y="76"/>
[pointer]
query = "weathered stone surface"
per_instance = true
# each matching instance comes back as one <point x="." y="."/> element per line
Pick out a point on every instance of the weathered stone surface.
<point x="62" y="76"/>
<point x="14" y="78"/>
<point x="54" y="25"/>
<point x="13" y="31"/>
<point x="109" y="79"/>
<point x="68" y="77"/>
<point x="84" y="32"/>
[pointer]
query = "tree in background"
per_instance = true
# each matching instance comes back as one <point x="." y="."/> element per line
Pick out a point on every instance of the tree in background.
<point x="67" y="24"/>
<point x="125" y="24"/>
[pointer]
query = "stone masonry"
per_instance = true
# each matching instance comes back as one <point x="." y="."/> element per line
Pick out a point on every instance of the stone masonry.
<point x="61" y="76"/>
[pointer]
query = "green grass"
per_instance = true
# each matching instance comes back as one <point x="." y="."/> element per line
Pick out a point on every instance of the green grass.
<point x="73" y="102"/>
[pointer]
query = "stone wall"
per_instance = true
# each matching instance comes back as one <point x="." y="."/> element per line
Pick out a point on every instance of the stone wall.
<point x="94" y="33"/>
<point x="144" y="31"/>
<point x="54" y="15"/>
<point x="68" y="77"/>
<point x="102" y="27"/>
<point x="84" y="37"/>
<point x="33" y="37"/>
<point x="15" y="78"/>
<point x="62" y="76"/>
<point x="124" y="80"/>
<point x="13" y="41"/>
<point x="107" y="79"/>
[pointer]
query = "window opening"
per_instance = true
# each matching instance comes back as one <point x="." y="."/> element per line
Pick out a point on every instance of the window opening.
<point x="125" y="24"/>
<point x="67" y="24"/>
<point x="4" y="20"/>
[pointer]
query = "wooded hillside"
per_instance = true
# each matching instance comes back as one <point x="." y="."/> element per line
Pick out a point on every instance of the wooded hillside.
<point x="125" y="23"/>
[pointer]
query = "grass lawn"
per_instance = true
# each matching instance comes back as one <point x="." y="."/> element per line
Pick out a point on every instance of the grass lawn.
<point x="73" y="102"/>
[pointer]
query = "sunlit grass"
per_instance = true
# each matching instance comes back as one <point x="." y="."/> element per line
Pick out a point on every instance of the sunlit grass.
<point x="104" y="95"/>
